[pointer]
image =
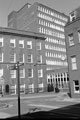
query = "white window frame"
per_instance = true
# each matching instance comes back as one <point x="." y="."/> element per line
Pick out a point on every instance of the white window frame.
<point x="31" y="73"/>
<point x="22" y="87"/>
<point x="21" y="42"/>
<point x="22" y="73"/>
<point x="13" y="73"/>
<point x="1" y="72"/>
<point x="2" y="40"/>
<point x="23" y="59"/>
<point x="14" y="42"/>
<point x="74" y="63"/>
<point x="14" y="58"/>
<point x="31" y="86"/>
<point x="1" y="57"/>
<point x="29" y="43"/>
<point x="41" y="86"/>
<point x="38" y="44"/>
<point x="40" y="73"/>
<point x="75" y="91"/>
<point x="13" y="87"/>
<point x="30" y="58"/>
<point x="71" y="39"/>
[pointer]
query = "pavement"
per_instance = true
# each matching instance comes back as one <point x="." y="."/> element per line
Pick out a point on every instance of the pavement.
<point x="63" y="96"/>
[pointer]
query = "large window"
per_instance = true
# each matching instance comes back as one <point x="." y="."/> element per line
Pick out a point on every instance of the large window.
<point x="21" y="58"/>
<point x="22" y="73"/>
<point x="31" y="88"/>
<point x="76" y="86"/>
<point x="71" y="40"/>
<point x="12" y="56"/>
<point x="40" y="73"/>
<point x="73" y="62"/>
<point x="38" y="46"/>
<point x="22" y="89"/>
<point x="30" y="73"/>
<point x="1" y="42"/>
<point x="13" y="89"/>
<point x="13" y="73"/>
<point x="12" y="43"/>
<point x="39" y="59"/>
<point x="29" y="44"/>
<point x="1" y="57"/>
<point x="21" y="43"/>
<point x="30" y="58"/>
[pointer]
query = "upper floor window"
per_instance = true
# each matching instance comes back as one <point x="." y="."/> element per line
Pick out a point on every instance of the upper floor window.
<point x="21" y="58"/>
<point x="1" y="42"/>
<point x="39" y="58"/>
<point x="71" y="40"/>
<point x="21" y="43"/>
<point x="29" y="44"/>
<point x="38" y="45"/>
<point x="13" y="73"/>
<point x="12" y="57"/>
<point x="12" y="43"/>
<point x="40" y="73"/>
<point x="22" y="73"/>
<point x="74" y="64"/>
<point x="30" y="58"/>
<point x="30" y="73"/>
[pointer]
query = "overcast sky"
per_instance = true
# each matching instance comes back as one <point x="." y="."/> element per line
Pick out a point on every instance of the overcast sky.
<point x="6" y="6"/>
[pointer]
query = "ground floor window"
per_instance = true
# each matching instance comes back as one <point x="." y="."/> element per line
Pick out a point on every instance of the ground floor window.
<point x="40" y="87"/>
<point x="76" y="86"/>
<point x="31" y="88"/>
<point x="13" y="89"/>
<point x="22" y="89"/>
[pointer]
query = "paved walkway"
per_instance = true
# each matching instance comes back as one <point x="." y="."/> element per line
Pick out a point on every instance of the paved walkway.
<point x="4" y="115"/>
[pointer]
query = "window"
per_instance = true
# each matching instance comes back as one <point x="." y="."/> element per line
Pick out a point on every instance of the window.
<point x="29" y="44"/>
<point x="1" y="57"/>
<point x="13" y="73"/>
<point x="73" y="61"/>
<point x="21" y="58"/>
<point x="31" y="88"/>
<point x="13" y="90"/>
<point x="79" y="36"/>
<point x="39" y="59"/>
<point x="12" y="43"/>
<point x="1" y="73"/>
<point x="76" y="86"/>
<point x="38" y="45"/>
<point x="40" y="87"/>
<point x="21" y="43"/>
<point x="22" y="73"/>
<point x="40" y="73"/>
<point x="30" y="73"/>
<point x="1" y="42"/>
<point x="22" y="89"/>
<point x="30" y="58"/>
<point x="12" y="57"/>
<point x="71" y="40"/>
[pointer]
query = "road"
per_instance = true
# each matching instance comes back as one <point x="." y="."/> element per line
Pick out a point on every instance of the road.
<point x="34" y="103"/>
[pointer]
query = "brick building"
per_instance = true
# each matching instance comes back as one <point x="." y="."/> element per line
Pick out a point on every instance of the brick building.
<point x="42" y="19"/>
<point x="72" y="31"/>
<point x="25" y="47"/>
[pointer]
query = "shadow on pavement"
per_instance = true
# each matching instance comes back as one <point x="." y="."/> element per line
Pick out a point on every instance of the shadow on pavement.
<point x="69" y="112"/>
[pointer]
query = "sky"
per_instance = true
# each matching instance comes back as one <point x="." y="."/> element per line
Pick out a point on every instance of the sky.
<point x="7" y="6"/>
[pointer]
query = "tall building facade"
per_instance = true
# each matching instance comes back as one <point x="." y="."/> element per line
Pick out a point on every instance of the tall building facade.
<point x="23" y="47"/>
<point x="42" y="19"/>
<point x="72" y="31"/>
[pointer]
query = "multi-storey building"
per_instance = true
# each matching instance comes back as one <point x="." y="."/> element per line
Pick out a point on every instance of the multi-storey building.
<point x="72" y="31"/>
<point x="42" y="19"/>
<point x="23" y="47"/>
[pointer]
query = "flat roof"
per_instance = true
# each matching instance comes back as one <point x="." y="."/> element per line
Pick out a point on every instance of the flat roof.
<point x="22" y="33"/>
